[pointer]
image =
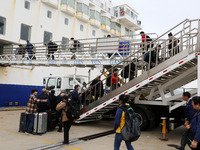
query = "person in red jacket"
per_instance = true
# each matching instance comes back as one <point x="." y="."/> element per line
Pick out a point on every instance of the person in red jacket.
<point x="115" y="80"/>
<point x="146" y="41"/>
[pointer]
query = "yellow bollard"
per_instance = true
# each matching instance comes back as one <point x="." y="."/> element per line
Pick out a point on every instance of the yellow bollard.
<point x="164" y="129"/>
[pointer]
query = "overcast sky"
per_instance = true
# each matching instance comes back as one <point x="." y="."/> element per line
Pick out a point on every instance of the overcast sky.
<point x="161" y="15"/>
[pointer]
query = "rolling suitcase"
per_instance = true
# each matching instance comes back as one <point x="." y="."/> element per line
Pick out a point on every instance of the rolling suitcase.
<point x="52" y="120"/>
<point x="22" y="123"/>
<point x="40" y="123"/>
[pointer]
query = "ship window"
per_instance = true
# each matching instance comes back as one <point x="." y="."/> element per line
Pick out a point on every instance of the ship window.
<point x="93" y="32"/>
<point x="81" y="27"/>
<point x="59" y="83"/>
<point x="71" y="81"/>
<point x="92" y="14"/>
<point x="25" y="32"/>
<point x="49" y="14"/>
<point x="27" y="5"/>
<point x="113" y="25"/>
<point x="109" y="10"/>
<point x="97" y="16"/>
<point x="108" y="21"/>
<point x="66" y="21"/>
<point x="131" y="32"/>
<point x="71" y="3"/>
<point x="65" y="43"/>
<point x="2" y="25"/>
<point x="116" y="13"/>
<point x="118" y="27"/>
<point x="103" y="20"/>
<point x="102" y="5"/>
<point x="126" y="31"/>
<point x="85" y="9"/>
<point x="47" y="36"/>
<point x="128" y="12"/>
<point x="64" y="2"/>
<point x="79" y="7"/>
<point x="121" y="9"/>
<point x="132" y="15"/>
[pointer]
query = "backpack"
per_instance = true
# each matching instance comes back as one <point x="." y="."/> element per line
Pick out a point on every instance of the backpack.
<point x="72" y="112"/>
<point x="131" y="130"/>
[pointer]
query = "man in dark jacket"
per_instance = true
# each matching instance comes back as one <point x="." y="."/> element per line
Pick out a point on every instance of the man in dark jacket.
<point x="53" y="100"/>
<point x="29" y="47"/>
<point x="43" y="107"/>
<point x="97" y="88"/>
<point x="125" y="72"/>
<point x="189" y="113"/>
<point x="75" y="97"/>
<point x="52" y="47"/>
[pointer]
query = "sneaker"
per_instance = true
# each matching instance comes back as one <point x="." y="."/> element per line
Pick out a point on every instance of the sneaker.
<point x="27" y="133"/>
<point x="176" y="146"/>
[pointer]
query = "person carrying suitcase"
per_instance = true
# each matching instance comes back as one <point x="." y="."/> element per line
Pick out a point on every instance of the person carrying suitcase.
<point x="66" y="121"/>
<point x="31" y="109"/>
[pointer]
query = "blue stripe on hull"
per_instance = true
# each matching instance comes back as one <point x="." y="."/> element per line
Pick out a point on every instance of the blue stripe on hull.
<point x="16" y="95"/>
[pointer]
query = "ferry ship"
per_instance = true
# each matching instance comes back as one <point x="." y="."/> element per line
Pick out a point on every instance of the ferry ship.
<point x="58" y="20"/>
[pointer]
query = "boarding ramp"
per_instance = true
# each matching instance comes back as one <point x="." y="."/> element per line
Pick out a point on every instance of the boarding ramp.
<point x="173" y="69"/>
<point x="87" y="52"/>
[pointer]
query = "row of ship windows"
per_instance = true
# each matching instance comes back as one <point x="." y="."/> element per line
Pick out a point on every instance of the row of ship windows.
<point x="93" y="15"/>
<point x="25" y="33"/>
<point x="26" y="29"/>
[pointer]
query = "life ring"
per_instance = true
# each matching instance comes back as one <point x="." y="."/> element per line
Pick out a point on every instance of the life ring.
<point x="123" y="12"/>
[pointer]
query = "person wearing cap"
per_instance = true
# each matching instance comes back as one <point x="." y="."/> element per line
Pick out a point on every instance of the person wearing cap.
<point x="62" y="106"/>
<point x="50" y="50"/>
<point x="43" y="107"/>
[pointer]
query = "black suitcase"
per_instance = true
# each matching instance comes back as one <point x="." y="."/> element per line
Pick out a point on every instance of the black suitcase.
<point x="52" y="120"/>
<point x="22" y="123"/>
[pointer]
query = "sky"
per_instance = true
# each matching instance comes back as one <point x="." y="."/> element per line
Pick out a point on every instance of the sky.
<point x="158" y="16"/>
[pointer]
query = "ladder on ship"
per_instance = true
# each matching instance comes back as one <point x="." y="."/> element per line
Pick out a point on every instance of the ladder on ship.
<point x="174" y="68"/>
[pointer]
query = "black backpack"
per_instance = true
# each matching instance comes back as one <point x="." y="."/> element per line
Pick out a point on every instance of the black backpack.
<point x="73" y="112"/>
<point x="131" y="130"/>
<point x="148" y="38"/>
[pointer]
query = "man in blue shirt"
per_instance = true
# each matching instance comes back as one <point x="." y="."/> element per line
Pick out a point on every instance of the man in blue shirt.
<point x="194" y="127"/>
<point x="189" y="113"/>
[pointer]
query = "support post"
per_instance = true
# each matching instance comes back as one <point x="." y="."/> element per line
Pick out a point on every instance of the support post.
<point x="198" y="68"/>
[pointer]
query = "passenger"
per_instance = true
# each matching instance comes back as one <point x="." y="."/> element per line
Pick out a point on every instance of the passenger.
<point x="189" y="113"/>
<point x="115" y="80"/>
<point x="72" y="48"/>
<point x="153" y="56"/>
<point x="125" y="72"/>
<point x="67" y="123"/>
<point x="120" y="122"/>
<point x="146" y="42"/>
<point x="97" y="88"/>
<point x="84" y="88"/>
<point x="29" y="47"/>
<point x="53" y="100"/>
<point x="31" y="109"/>
<point x="43" y="107"/>
<point x="59" y="99"/>
<point x="109" y="54"/>
<point x="173" y="43"/>
<point x="51" y="49"/>
<point x="20" y="52"/>
<point x="75" y="97"/>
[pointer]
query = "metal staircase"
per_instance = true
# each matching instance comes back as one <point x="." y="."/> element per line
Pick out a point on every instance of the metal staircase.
<point x="89" y="52"/>
<point x="172" y="70"/>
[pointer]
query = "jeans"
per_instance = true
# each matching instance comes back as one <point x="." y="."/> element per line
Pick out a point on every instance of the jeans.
<point x="118" y="140"/>
<point x="29" y="123"/>
<point x="67" y="126"/>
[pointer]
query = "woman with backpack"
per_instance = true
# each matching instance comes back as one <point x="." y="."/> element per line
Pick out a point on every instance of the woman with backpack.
<point x="120" y="122"/>
<point x="65" y="119"/>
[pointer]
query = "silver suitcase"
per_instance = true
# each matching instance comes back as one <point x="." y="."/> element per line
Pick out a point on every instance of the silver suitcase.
<point x="40" y="123"/>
